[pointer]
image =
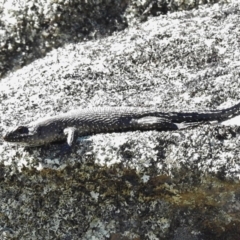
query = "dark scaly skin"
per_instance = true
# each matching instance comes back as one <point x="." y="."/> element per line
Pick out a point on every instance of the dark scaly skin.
<point x="67" y="127"/>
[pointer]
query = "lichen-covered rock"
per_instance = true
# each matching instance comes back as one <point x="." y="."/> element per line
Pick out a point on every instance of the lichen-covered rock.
<point x="134" y="185"/>
<point x="29" y="29"/>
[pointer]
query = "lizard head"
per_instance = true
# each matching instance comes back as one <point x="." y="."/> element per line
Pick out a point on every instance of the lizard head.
<point x="16" y="134"/>
<point x="21" y="135"/>
<point x="32" y="135"/>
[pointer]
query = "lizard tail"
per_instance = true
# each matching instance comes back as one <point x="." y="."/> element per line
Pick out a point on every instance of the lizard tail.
<point x="228" y="112"/>
<point x="212" y="115"/>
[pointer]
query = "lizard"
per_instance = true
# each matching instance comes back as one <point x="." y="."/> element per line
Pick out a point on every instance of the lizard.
<point x="67" y="127"/>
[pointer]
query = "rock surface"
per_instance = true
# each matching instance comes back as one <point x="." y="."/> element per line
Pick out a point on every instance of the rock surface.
<point x="135" y="185"/>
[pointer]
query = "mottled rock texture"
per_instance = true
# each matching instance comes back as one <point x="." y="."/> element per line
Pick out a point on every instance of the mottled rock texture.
<point x="135" y="185"/>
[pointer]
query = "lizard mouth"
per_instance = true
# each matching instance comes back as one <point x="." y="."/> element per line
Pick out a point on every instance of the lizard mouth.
<point x="8" y="138"/>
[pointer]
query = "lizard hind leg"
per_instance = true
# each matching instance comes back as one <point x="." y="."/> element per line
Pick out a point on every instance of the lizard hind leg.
<point x="154" y="123"/>
<point x="160" y="123"/>
<point x="185" y="125"/>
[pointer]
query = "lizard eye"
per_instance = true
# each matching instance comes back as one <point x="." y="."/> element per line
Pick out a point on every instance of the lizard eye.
<point x="22" y="130"/>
